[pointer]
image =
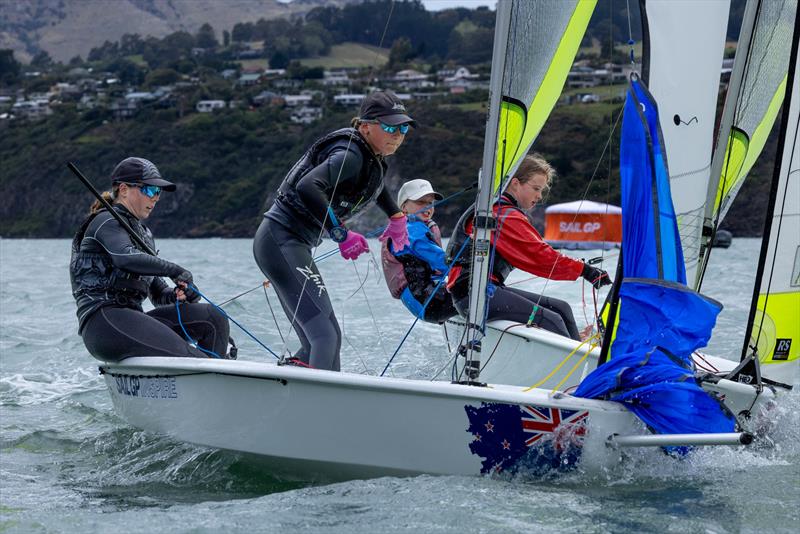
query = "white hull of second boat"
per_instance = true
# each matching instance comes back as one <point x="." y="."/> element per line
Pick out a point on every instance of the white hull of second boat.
<point x="517" y="355"/>
<point x="310" y="422"/>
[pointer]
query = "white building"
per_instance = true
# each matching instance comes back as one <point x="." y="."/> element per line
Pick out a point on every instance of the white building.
<point x="207" y="106"/>
<point x="306" y="115"/>
<point x="335" y="77"/>
<point x="31" y="109"/>
<point x="294" y="101"/>
<point x="348" y="100"/>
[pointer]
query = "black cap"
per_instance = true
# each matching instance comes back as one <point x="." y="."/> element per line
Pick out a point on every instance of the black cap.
<point x="385" y="106"/>
<point x="139" y="171"/>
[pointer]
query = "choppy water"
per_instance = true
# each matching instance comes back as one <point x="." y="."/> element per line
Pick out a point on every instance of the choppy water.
<point x="69" y="464"/>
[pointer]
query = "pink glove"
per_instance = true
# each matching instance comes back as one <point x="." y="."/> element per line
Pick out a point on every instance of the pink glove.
<point x="397" y="231"/>
<point x="353" y="246"/>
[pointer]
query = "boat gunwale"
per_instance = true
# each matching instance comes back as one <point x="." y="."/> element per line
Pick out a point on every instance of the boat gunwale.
<point x="172" y="366"/>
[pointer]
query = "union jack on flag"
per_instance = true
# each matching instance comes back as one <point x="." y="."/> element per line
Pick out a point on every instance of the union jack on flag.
<point x="505" y="434"/>
<point x="537" y="422"/>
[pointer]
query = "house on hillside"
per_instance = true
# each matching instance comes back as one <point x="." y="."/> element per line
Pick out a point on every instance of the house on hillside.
<point x="411" y="79"/>
<point x="306" y="115"/>
<point x="294" y="101"/>
<point x="207" y="106"/>
<point x="348" y="100"/>
<point x="248" y="79"/>
<point x="31" y="109"/>
<point x="335" y="77"/>
<point x="269" y="98"/>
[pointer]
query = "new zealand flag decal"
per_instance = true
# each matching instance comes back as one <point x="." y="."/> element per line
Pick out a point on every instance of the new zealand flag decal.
<point x="510" y="437"/>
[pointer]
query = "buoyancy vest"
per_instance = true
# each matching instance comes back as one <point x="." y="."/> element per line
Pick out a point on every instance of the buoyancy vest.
<point x="350" y="196"/>
<point x="408" y="270"/>
<point x="96" y="282"/>
<point x="501" y="267"/>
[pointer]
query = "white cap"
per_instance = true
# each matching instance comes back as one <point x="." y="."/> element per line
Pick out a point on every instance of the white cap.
<point x="415" y="190"/>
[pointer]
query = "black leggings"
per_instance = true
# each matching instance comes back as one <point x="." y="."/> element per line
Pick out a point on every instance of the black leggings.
<point x="286" y="261"/>
<point x="516" y="305"/>
<point x="114" y="333"/>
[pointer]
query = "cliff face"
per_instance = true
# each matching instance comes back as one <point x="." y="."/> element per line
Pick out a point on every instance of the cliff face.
<point x="67" y="28"/>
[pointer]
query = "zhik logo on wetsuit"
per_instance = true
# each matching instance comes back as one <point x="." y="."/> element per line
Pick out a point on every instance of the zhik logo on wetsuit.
<point x="314" y="277"/>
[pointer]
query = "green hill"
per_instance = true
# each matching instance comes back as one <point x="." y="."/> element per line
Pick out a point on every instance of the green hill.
<point x="228" y="165"/>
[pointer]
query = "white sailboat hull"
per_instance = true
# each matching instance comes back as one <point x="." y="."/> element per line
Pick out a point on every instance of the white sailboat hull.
<point x="311" y="422"/>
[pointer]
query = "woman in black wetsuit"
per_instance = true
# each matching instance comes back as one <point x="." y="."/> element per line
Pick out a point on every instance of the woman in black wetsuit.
<point x="339" y="175"/>
<point x="111" y="277"/>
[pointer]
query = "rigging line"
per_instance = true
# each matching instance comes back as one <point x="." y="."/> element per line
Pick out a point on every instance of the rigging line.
<point x="369" y="307"/>
<point x="778" y="231"/>
<point x="190" y="339"/>
<point x="583" y="197"/>
<point x="427" y="302"/>
<point x="231" y="319"/>
<point x="385" y="28"/>
<point x="496" y="345"/>
<point x="273" y="315"/>
<point x="223" y="303"/>
<point x="352" y="346"/>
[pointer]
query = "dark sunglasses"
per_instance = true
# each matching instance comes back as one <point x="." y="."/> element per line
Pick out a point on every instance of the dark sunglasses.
<point x="147" y="190"/>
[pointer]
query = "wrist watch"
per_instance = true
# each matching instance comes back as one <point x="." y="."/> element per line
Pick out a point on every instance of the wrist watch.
<point x="338" y="234"/>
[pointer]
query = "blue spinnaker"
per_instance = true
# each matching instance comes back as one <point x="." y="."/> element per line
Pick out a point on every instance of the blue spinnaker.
<point x="651" y="245"/>
<point x="661" y="321"/>
<point x="660" y="325"/>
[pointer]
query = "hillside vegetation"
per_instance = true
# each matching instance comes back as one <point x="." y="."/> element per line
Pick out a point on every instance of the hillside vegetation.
<point x="228" y="165"/>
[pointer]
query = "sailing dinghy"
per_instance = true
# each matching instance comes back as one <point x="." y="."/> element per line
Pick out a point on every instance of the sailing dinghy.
<point x="684" y="81"/>
<point x="306" y="422"/>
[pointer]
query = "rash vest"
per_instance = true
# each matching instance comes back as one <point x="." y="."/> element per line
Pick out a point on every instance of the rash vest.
<point x="97" y="281"/>
<point x="349" y="196"/>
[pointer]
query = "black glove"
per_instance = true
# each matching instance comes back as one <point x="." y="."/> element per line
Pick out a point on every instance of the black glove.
<point x="597" y="277"/>
<point x="191" y="295"/>
<point x="183" y="279"/>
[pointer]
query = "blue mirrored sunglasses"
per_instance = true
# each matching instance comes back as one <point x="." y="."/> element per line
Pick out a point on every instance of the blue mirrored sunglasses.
<point x="148" y="190"/>
<point x="388" y="128"/>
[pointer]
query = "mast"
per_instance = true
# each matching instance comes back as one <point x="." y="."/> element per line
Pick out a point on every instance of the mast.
<point x="789" y="124"/>
<point x="484" y="221"/>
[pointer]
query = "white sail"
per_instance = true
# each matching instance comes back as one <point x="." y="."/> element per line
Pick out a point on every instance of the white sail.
<point x="684" y="45"/>
<point x="755" y="94"/>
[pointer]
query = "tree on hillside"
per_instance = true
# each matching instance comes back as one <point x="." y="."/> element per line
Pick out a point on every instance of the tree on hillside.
<point x="158" y="77"/>
<point x="42" y="60"/>
<point x="205" y="37"/>
<point x="401" y="52"/>
<point x="9" y="67"/>
<point x="278" y="60"/>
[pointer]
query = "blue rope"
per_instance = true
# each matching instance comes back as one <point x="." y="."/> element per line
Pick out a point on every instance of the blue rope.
<point x="231" y="319"/>
<point x="189" y="338"/>
<point x="427" y="301"/>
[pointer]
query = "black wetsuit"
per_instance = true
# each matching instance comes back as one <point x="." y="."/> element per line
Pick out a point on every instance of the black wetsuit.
<point x="341" y="171"/>
<point x="111" y="277"/>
